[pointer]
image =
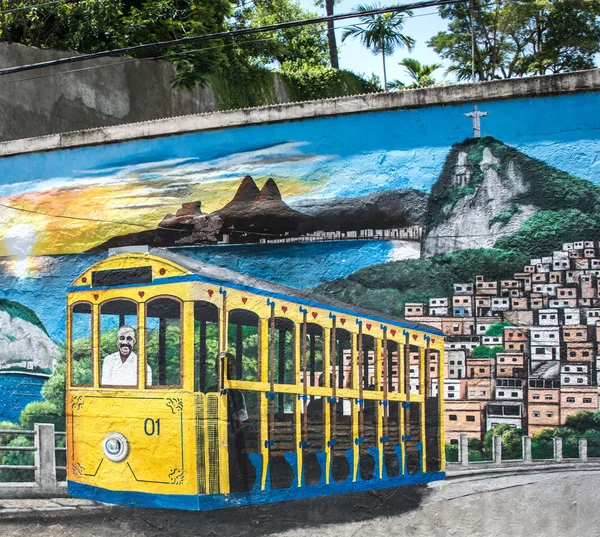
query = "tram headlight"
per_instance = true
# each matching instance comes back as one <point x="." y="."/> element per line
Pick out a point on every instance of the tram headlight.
<point x="115" y="447"/>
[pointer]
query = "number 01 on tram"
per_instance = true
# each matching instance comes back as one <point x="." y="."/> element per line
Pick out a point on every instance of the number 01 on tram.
<point x="194" y="387"/>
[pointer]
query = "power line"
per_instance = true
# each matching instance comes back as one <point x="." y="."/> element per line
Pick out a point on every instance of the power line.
<point x="166" y="57"/>
<point x="163" y="57"/>
<point x="223" y="35"/>
<point x="132" y="60"/>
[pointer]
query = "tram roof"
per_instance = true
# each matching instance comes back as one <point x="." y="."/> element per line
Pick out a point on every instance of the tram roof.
<point x="230" y="277"/>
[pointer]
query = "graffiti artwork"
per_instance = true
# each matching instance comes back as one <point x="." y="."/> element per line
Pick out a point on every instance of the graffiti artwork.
<point x="297" y="309"/>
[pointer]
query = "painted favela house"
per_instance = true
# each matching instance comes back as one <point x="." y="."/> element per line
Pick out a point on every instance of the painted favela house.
<point x="305" y="300"/>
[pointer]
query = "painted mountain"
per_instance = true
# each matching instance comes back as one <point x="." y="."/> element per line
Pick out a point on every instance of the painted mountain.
<point x="24" y="343"/>
<point x="490" y="211"/>
<point x="488" y="190"/>
<point x="254" y="214"/>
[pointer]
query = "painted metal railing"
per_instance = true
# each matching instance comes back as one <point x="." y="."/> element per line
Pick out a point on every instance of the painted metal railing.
<point x="44" y="451"/>
<point x="526" y="459"/>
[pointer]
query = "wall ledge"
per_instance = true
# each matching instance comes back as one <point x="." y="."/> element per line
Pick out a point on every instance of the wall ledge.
<point x="517" y="88"/>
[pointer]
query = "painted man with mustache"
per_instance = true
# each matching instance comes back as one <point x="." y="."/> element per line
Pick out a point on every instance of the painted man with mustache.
<point x="120" y="368"/>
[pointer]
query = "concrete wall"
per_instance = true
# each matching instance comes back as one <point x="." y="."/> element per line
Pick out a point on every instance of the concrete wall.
<point x="109" y="91"/>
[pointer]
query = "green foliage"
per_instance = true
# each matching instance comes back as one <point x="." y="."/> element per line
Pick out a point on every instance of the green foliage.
<point x="249" y="350"/>
<point x="593" y="441"/>
<point x="306" y="82"/>
<point x="240" y="69"/>
<point x="497" y="329"/>
<point x="579" y="425"/>
<point x="162" y="20"/>
<point x="421" y="74"/>
<point x="512" y="445"/>
<point x="306" y="44"/>
<point x="388" y="286"/>
<point x="18" y="311"/>
<point x="52" y="408"/>
<point x="546" y="231"/>
<point x="477" y="452"/>
<point x="451" y="452"/>
<point x="519" y="38"/>
<point x="82" y="360"/>
<point x="380" y="33"/>
<point x="503" y="217"/>
<point x="17" y="458"/>
<point x="5" y="438"/>
<point x="444" y="193"/>
<point x="244" y="86"/>
<point x="54" y="389"/>
<point x="172" y="354"/>
<point x="42" y="412"/>
<point x="212" y="352"/>
<point x="542" y="446"/>
<point x="483" y="351"/>
<point x="582" y="421"/>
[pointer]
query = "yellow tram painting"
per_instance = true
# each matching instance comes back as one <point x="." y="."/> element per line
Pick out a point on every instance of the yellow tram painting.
<point x="194" y="387"/>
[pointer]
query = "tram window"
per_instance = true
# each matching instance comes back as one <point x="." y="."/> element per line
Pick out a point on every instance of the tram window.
<point x="81" y="344"/>
<point x="118" y="343"/>
<point x="314" y="354"/>
<point x="243" y="343"/>
<point x="343" y="359"/>
<point x="163" y="342"/>
<point x="283" y="346"/>
<point x="367" y="376"/>
<point x="393" y="375"/>
<point x="206" y="346"/>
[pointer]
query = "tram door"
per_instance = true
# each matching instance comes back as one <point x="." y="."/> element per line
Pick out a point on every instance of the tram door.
<point x="207" y="398"/>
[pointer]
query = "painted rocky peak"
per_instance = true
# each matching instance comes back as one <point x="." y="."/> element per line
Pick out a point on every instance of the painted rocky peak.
<point x="487" y="190"/>
<point x="245" y="196"/>
<point x="24" y="344"/>
<point x="267" y="215"/>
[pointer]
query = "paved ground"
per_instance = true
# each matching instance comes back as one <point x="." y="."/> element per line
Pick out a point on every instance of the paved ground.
<point x="561" y="504"/>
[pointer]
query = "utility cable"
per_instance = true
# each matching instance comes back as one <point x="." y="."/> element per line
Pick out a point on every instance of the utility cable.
<point x="228" y="34"/>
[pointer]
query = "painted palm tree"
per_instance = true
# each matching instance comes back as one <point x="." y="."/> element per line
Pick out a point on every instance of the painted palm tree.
<point x="381" y="33"/>
<point x="421" y="74"/>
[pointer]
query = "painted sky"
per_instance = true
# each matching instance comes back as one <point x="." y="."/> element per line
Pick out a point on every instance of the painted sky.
<point x="67" y="201"/>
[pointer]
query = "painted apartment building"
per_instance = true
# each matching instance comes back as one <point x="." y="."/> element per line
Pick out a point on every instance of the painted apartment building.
<point x="523" y="351"/>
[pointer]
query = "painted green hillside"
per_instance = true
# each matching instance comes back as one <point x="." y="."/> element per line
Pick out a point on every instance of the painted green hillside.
<point x="388" y="286"/>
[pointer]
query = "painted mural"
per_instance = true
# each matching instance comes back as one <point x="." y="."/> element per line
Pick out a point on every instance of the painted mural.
<point x="481" y="224"/>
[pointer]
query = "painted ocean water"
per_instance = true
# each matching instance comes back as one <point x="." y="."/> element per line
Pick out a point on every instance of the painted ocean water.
<point x="16" y="391"/>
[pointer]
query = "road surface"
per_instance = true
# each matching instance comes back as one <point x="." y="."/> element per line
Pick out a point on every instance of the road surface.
<point x="561" y="504"/>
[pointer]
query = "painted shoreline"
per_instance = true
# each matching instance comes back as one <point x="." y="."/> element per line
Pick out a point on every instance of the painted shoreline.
<point x="25" y="373"/>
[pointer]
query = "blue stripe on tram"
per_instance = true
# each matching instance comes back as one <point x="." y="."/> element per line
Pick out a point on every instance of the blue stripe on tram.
<point x="192" y="502"/>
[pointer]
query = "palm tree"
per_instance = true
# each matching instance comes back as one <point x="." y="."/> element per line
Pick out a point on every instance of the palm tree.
<point x="420" y="74"/>
<point x="382" y="33"/>
<point x="333" y="54"/>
